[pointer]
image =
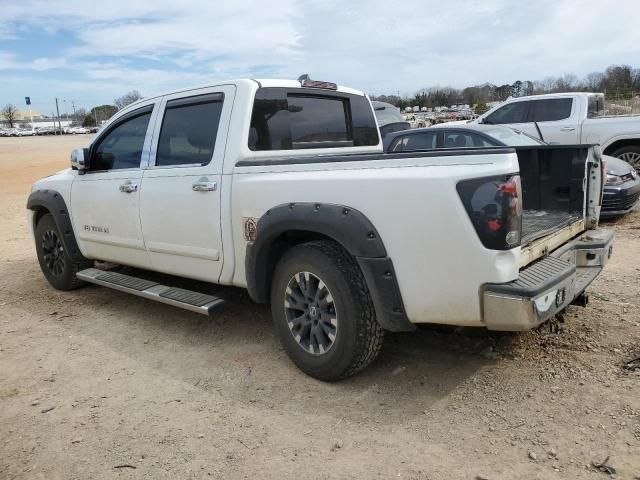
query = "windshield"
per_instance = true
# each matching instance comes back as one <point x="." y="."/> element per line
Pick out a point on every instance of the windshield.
<point x="387" y="113"/>
<point x="512" y="138"/>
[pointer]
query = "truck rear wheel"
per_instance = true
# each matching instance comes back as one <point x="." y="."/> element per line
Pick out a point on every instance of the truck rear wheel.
<point x="322" y="311"/>
<point x="630" y="154"/>
<point x="55" y="263"/>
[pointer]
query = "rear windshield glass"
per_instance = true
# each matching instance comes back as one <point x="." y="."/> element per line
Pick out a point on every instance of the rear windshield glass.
<point x="387" y="113"/>
<point x="317" y="119"/>
<point x="285" y="119"/>
<point x="596" y="106"/>
<point x="512" y="138"/>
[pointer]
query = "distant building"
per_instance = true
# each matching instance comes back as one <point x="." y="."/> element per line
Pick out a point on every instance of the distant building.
<point x="24" y="115"/>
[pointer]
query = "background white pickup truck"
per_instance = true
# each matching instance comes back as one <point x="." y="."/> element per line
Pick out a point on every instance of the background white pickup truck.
<point x="569" y="119"/>
<point x="282" y="188"/>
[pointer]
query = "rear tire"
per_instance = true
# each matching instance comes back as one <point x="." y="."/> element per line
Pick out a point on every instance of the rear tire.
<point x="630" y="154"/>
<point x="56" y="265"/>
<point x="322" y="311"/>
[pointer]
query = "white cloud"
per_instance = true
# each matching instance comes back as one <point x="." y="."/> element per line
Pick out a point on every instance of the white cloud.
<point x="8" y="61"/>
<point x="376" y="45"/>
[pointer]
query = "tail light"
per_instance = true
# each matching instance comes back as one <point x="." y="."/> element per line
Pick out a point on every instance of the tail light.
<point x="495" y="209"/>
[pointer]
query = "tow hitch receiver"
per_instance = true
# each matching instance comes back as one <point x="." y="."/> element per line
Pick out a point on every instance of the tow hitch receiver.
<point x="581" y="300"/>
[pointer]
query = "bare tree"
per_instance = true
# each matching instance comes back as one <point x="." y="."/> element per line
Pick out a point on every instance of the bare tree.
<point x="10" y="113"/>
<point x="616" y="80"/>
<point x="127" y="99"/>
<point x="593" y="81"/>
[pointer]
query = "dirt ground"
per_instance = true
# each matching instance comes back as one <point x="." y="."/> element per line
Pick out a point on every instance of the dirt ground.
<point x="98" y="384"/>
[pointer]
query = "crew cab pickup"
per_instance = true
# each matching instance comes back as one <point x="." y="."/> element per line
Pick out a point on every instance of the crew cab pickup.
<point x="282" y="188"/>
<point x="569" y="119"/>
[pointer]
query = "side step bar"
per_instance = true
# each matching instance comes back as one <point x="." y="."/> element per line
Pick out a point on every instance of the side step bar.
<point x="178" y="297"/>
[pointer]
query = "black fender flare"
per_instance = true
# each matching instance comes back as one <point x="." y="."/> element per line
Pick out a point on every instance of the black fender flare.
<point x="53" y="202"/>
<point x="345" y="225"/>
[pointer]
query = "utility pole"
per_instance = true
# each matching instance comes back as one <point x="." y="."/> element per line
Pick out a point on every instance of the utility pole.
<point x="58" y="115"/>
<point x="73" y="105"/>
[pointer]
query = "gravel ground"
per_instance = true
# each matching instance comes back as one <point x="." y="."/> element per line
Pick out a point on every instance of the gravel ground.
<point x="97" y="384"/>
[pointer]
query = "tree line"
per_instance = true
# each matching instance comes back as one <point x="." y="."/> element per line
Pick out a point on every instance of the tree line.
<point x="619" y="81"/>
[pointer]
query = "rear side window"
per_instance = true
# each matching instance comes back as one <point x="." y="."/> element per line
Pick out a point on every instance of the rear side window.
<point x="464" y="140"/>
<point x="550" y="110"/>
<point x="288" y="120"/>
<point x="189" y="129"/>
<point x="122" y="146"/>
<point x="510" y="113"/>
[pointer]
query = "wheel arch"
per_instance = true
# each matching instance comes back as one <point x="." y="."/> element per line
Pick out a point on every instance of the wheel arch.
<point x="46" y="201"/>
<point x="285" y="226"/>
<point x="623" y="142"/>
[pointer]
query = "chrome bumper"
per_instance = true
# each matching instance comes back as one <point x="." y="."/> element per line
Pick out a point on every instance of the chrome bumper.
<point x="548" y="286"/>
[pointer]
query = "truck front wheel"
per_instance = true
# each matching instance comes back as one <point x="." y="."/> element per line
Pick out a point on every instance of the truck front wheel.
<point x="55" y="263"/>
<point x="322" y="311"/>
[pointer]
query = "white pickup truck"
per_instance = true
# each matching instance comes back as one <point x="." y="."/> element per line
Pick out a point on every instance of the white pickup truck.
<point x="569" y="119"/>
<point x="282" y="188"/>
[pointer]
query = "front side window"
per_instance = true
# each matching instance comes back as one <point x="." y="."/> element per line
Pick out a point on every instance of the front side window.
<point x="189" y="129"/>
<point x="285" y="120"/>
<point x="122" y="146"/>
<point x="550" y="110"/>
<point x="510" y="113"/>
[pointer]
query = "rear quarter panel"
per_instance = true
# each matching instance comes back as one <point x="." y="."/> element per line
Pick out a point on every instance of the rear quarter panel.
<point x="413" y="203"/>
<point x="606" y="130"/>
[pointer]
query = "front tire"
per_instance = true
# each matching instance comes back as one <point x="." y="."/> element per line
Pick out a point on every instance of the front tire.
<point x="322" y="311"/>
<point x="55" y="263"/>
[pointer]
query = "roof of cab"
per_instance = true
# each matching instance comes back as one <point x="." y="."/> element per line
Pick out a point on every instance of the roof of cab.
<point x="278" y="82"/>
<point x="262" y="82"/>
<point x="555" y="95"/>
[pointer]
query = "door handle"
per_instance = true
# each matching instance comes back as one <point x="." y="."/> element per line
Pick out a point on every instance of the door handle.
<point x="567" y="129"/>
<point x="128" y="187"/>
<point x="204" y="185"/>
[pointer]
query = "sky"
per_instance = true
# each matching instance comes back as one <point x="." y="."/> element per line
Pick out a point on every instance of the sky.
<point x="89" y="52"/>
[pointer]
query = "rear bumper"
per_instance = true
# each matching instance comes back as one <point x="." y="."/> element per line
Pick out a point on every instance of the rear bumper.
<point x="548" y="286"/>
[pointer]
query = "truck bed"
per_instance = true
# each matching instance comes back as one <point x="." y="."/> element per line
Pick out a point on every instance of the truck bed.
<point x="553" y="197"/>
<point x="538" y="223"/>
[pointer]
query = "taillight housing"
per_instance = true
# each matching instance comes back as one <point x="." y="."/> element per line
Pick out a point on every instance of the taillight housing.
<point x="494" y="205"/>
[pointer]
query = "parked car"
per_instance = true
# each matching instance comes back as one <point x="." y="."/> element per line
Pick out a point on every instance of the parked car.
<point x="621" y="190"/>
<point x="25" y="133"/>
<point x="78" y="130"/>
<point x="283" y="188"/>
<point x="389" y="118"/>
<point x="45" y="131"/>
<point x="569" y="119"/>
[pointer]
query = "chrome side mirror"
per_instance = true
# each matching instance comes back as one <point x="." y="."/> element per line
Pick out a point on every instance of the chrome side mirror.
<point x="78" y="160"/>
